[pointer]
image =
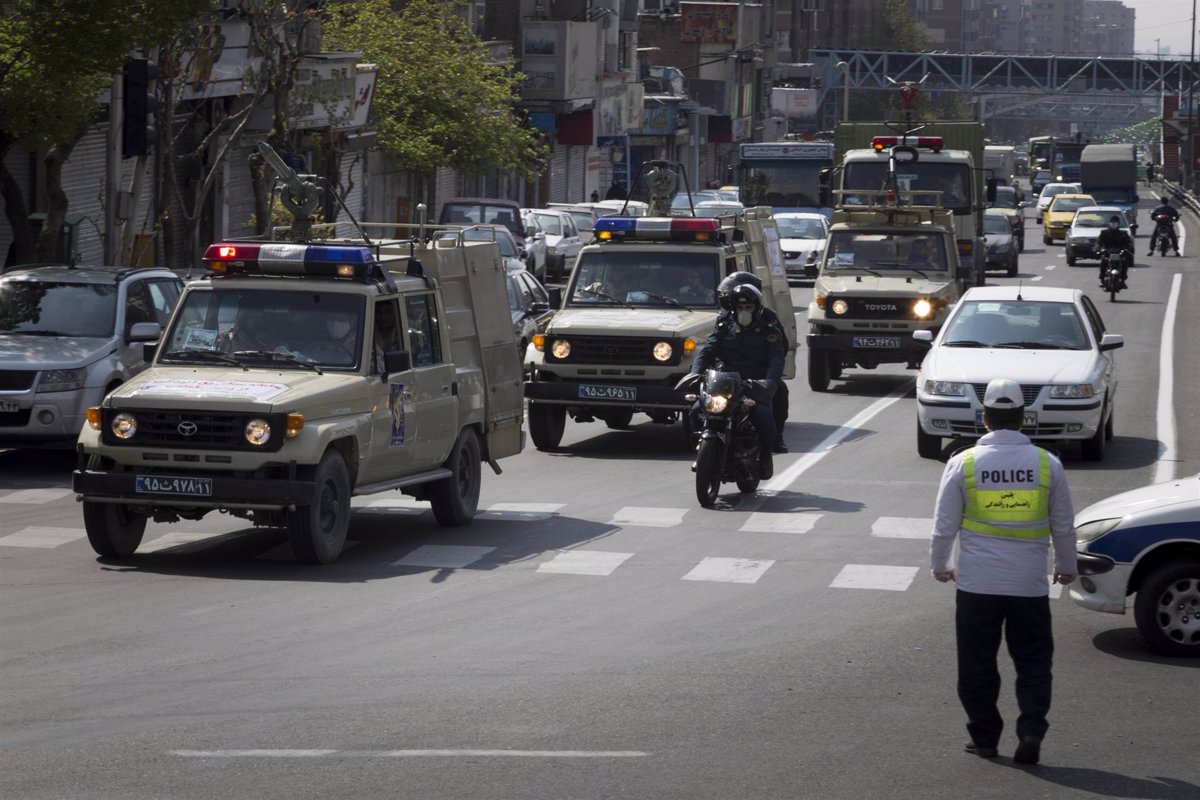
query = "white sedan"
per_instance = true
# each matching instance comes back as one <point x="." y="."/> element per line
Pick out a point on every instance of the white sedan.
<point x="1050" y="340"/>
<point x="802" y="238"/>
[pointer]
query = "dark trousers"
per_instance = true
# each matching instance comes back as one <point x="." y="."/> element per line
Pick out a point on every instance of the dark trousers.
<point x="780" y="405"/>
<point x="1154" y="239"/>
<point x="979" y="619"/>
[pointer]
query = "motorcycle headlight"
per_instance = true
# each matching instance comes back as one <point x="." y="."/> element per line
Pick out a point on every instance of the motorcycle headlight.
<point x="560" y="349"/>
<point x="923" y="308"/>
<point x="1073" y="391"/>
<point x="258" y="431"/>
<point x="839" y="307"/>
<point x="715" y="403"/>
<point x="124" y="426"/>
<point x="1091" y="531"/>
<point x="62" y="380"/>
<point x="662" y="351"/>
<point x="945" y="388"/>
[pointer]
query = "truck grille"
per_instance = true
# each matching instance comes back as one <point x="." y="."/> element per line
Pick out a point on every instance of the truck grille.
<point x="614" y="350"/>
<point x="12" y="380"/>
<point x="1028" y="391"/>
<point x="195" y="430"/>
<point x="877" y="307"/>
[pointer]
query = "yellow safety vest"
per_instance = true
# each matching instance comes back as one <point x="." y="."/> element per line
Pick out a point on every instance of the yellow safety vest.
<point x="985" y="507"/>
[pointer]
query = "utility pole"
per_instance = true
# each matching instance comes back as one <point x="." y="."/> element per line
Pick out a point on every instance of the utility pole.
<point x="1190" y="89"/>
<point x="112" y="172"/>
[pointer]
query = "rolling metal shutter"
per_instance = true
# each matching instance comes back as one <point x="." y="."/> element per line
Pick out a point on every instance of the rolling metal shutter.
<point x="559" y="167"/>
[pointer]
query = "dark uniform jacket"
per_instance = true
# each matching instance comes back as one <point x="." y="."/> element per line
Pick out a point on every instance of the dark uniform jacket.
<point x="1117" y="239"/>
<point x="755" y="352"/>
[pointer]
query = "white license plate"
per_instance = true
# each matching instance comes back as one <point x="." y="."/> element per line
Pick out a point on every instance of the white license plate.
<point x="588" y="392"/>
<point x="174" y="484"/>
<point x="886" y="342"/>
<point x="1030" y="420"/>
<point x="9" y="406"/>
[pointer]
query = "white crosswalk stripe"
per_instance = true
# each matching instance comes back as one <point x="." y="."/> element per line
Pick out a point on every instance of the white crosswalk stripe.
<point x="520" y="512"/>
<point x="902" y="528"/>
<point x="648" y="517"/>
<point x="584" y="562"/>
<point x="179" y="539"/>
<point x="765" y="522"/>
<point x="42" y="537"/>
<point x="443" y="556"/>
<point x="729" y="570"/>
<point x="874" y="576"/>
<point x="36" y="496"/>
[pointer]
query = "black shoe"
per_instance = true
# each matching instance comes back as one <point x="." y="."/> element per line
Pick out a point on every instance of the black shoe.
<point x="766" y="467"/>
<point x="1029" y="751"/>
<point x="982" y="752"/>
<point x="779" y="447"/>
<point x="1150" y="253"/>
<point x="1178" y="253"/>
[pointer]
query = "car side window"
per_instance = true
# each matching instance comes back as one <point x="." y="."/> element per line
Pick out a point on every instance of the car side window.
<point x="163" y="296"/>
<point x="1093" y="318"/>
<point x="424" y="337"/>
<point x="569" y="226"/>
<point x="387" y="332"/>
<point x="537" y="290"/>
<point x="137" y="305"/>
<point x="526" y="288"/>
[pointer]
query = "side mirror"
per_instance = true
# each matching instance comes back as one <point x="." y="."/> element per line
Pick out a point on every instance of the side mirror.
<point x="144" y="332"/>
<point x="538" y="308"/>
<point x="825" y="188"/>
<point x="923" y="336"/>
<point x="991" y="190"/>
<point x="149" y="351"/>
<point x="397" y="361"/>
<point x="555" y="296"/>
<point x="1111" y="341"/>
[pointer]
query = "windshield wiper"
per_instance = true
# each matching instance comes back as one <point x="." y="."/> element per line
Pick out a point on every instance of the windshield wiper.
<point x="1039" y="346"/>
<point x="671" y="301"/>
<point x="274" y="356"/>
<point x="964" y="343"/>
<point x="606" y="296"/>
<point x="41" y="333"/>
<point x="208" y="355"/>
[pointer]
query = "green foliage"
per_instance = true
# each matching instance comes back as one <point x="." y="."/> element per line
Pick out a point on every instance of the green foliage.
<point x="1146" y="132"/>
<point x="439" y="101"/>
<point x="894" y="28"/>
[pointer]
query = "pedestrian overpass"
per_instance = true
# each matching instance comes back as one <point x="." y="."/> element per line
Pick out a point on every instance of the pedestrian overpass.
<point x="1066" y="88"/>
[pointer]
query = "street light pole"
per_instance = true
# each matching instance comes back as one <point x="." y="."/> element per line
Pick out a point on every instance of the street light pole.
<point x="845" y="68"/>
<point x="1190" y="88"/>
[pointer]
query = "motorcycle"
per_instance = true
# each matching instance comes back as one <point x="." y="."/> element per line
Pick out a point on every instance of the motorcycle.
<point x="1110" y="272"/>
<point x="1164" y="226"/>
<point x="728" y="449"/>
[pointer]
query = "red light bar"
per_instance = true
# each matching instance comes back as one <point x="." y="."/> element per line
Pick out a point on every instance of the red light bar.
<point x="934" y="143"/>
<point x="232" y="252"/>
<point x="694" y="225"/>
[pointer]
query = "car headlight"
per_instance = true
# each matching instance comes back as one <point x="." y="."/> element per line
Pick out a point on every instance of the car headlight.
<point x="922" y="308"/>
<point x="258" y="431"/>
<point x="560" y="349"/>
<point x="1072" y="391"/>
<point x="62" y="380"/>
<point x="662" y="351"/>
<point x="945" y="388"/>
<point x="788" y="254"/>
<point x="839" y="307"/>
<point x="124" y="426"/>
<point x="551" y="250"/>
<point x="1091" y="531"/>
<point x="715" y="403"/>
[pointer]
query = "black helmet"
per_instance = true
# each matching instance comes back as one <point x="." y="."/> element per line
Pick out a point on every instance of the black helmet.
<point x="734" y="280"/>
<point x="1166" y="200"/>
<point x="746" y="293"/>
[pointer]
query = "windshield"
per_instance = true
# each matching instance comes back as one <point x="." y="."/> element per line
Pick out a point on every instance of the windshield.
<point x="879" y="252"/>
<point x="800" y="228"/>
<point x="508" y="248"/>
<point x="583" y="222"/>
<point x="1061" y="204"/>
<point x="1017" y="323"/>
<point x="995" y="224"/>
<point x="474" y="213"/>
<point x="953" y="180"/>
<point x="606" y="277"/>
<point x="45" y="308"/>
<point x="1093" y="219"/>
<point x="321" y="328"/>
<point x="1121" y="196"/>
<point x="782" y="184"/>
<point x="550" y="223"/>
<point x="1006" y="199"/>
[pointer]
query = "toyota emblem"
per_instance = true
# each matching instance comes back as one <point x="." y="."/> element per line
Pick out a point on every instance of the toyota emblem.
<point x="187" y="428"/>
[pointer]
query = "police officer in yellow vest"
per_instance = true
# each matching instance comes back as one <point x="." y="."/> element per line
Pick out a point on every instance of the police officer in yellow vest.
<point x="1005" y="501"/>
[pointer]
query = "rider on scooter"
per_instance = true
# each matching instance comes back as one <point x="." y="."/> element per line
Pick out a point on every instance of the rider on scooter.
<point x="1173" y="213"/>
<point x="1113" y="238"/>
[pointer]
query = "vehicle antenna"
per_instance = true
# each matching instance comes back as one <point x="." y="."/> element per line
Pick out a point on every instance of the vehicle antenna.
<point x="1020" y="285"/>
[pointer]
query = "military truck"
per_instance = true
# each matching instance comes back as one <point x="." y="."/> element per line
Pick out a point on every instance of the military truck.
<point x="638" y="303"/>
<point x="890" y="267"/>
<point x="296" y="375"/>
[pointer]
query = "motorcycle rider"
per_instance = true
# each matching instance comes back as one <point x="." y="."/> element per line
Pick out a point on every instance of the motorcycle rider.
<point x="1173" y="213"/>
<point x="1113" y="238"/>
<point x="781" y="400"/>
<point x="745" y="343"/>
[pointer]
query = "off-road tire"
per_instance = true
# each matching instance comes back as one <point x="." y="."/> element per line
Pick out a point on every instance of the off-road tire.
<point x="317" y="532"/>
<point x="114" y="531"/>
<point x="819" y="370"/>
<point x="455" y="499"/>
<point x="619" y="420"/>
<point x="546" y="425"/>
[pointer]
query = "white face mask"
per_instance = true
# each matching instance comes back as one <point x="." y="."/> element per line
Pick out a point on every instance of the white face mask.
<point x="1112" y="226"/>
<point x="744" y="318"/>
<point x="339" y="328"/>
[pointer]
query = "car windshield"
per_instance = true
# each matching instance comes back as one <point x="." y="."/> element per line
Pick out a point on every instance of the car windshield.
<point x="1017" y="324"/>
<point x="508" y="248"/>
<point x="487" y="214"/>
<point x="1070" y="203"/>
<point x="606" y="277"/>
<point x="1006" y="199"/>
<point x="680" y="200"/>
<point x="300" y="327"/>
<point x="1092" y="219"/>
<point x="551" y="224"/>
<point x="584" y="222"/>
<point x="51" y="308"/>
<point x="995" y="224"/>
<point x="800" y="228"/>
<point x="878" y="252"/>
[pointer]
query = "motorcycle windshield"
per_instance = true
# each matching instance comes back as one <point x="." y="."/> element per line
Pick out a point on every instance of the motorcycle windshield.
<point x="721" y="382"/>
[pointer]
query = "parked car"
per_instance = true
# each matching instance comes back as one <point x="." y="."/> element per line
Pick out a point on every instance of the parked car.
<point x="492" y="211"/>
<point x="585" y="220"/>
<point x="717" y="208"/>
<point x="69" y="336"/>
<point x="1085" y="229"/>
<point x="530" y="305"/>
<point x="1145" y="543"/>
<point x="488" y="233"/>
<point x="1058" y="215"/>
<point x="1002" y="246"/>
<point x="1050" y="340"/>
<point x="802" y="237"/>
<point x="680" y="204"/>
<point x="1008" y="200"/>
<point x="537" y="253"/>
<point x="562" y="240"/>
<point x="1049" y="192"/>
<point x="627" y="208"/>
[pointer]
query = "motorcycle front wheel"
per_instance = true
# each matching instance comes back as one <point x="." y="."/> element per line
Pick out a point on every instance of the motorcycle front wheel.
<point x="708" y="471"/>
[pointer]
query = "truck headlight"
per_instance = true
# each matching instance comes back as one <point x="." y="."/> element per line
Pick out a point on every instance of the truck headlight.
<point x="715" y="403"/>
<point x="124" y="426"/>
<point x="1072" y="391"/>
<point x="560" y="349"/>
<point x="62" y="380"/>
<point x="839" y="307"/>
<point x="945" y="388"/>
<point x="923" y="308"/>
<point x="1091" y="531"/>
<point x="662" y="351"/>
<point x="258" y="431"/>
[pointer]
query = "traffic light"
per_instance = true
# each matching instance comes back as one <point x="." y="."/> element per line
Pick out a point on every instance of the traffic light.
<point x="139" y="105"/>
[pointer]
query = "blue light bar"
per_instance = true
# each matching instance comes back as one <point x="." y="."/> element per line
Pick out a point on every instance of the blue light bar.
<point x="329" y="254"/>
<point x="616" y="224"/>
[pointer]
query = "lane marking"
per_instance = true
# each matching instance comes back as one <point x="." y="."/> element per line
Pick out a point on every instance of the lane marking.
<point x="443" y="556"/>
<point x="1164" y="469"/>
<point x="785" y="479"/>
<point x="409" y="753"/>
<point x="874" y="576"/>
<point x="1052" y="266"/>
<point x="584" y="562"/>
<point x="765" y="522"/>
<point x="179" y="539"/>
<point x="728" y="570"/>
<point x="1036" y="277"/>
<point x="902" y="528"/>
<point x="36" y="496"/>
<point x="648" y="517"/>
<point x="42" y="537"/>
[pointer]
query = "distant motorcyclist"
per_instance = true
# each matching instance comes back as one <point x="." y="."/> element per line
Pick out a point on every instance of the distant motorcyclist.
<point x="1114" y="238"/>
<point x="1173" y="213"/>
<point x="745" y="343"/>
<point x="782" y="399"/>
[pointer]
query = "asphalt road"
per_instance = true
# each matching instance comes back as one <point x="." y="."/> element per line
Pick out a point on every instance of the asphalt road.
<point x="594" y="634"/>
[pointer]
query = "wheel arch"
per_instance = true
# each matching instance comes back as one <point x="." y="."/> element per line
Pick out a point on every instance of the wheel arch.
<point x="1166" y="553"/>
<point x="348" y="447"/>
